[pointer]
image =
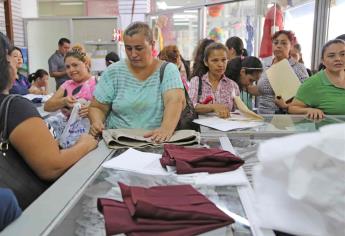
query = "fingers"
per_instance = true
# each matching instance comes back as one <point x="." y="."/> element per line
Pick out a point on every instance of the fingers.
<point x="148" y="134"/>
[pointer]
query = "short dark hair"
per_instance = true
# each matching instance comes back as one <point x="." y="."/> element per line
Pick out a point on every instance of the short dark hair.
<point x="235" y="43"/>
<point x="112" y="57"/>
<point x="14" y="48"/>
<point x="288" y="33"/>
<point x="341" y="37"/>
<point x="62" y="41"/>
<point x="5" y="42"/>
<point x="329" y="43"/>
<point x="139" y="27"/>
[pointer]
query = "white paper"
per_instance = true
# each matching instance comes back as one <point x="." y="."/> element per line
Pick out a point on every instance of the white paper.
<point x="283" y="79"/>
<point x="136" y="161"/>
<point x="33" y="96"/>
<point x="226" y="125"/>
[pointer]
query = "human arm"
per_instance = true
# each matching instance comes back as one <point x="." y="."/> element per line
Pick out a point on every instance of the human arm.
<point x="58" y="101"/>
<point x="174" y="102"/>
<point x="298" y="107"/>
<point x="97" y="114"/>
<point x="221" y="110"/>
<point x="41" y="152"/>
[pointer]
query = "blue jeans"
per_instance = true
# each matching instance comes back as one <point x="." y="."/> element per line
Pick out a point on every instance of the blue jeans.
<point x="9" y="208"/>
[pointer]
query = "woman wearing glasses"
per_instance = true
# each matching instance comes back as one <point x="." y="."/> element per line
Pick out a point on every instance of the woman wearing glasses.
<point x="282" y="41"/>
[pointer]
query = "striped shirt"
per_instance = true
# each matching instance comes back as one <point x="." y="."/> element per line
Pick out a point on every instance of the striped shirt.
<point x="135" y="103"/>
<point x="266" y="99"/>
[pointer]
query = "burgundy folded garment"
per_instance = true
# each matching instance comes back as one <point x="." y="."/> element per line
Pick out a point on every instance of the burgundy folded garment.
<point x="161" y="210"/>
<point x="193" y="160"/>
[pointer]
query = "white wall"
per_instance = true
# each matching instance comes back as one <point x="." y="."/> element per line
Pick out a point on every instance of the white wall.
<point x="29" y="8"/>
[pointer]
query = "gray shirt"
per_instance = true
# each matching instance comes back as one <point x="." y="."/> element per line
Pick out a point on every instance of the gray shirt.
<point x="266" y="99"/>
<point x="56" y="64"/>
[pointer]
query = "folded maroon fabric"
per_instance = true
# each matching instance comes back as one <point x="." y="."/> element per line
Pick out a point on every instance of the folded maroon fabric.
<point x="161" y="211"/>
<point x="192" y="160"/>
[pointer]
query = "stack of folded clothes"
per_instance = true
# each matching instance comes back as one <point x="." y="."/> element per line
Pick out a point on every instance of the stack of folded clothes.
<point x="193" y="160"/>
<point x="162" y="210"/>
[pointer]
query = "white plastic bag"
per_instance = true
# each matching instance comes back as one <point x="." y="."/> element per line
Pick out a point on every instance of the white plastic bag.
<point x="74" y="128"/>
<point x="300" y="183"/>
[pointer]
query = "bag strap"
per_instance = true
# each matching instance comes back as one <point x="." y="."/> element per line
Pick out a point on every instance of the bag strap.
<point x="4" y="108"/>
<point x="199" y="89"/>
<point x="161" y="71"/>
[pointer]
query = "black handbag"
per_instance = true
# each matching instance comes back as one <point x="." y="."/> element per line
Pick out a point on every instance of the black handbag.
<point x="188" y="114"/>
<point x="15" y="174"/>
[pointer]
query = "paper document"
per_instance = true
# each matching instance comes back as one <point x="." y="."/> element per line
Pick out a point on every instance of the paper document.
<point x="283" y="79"/>
<point x="245" y="111"/>
<point x="136" y="161"/>
<point x="226" y="125"/>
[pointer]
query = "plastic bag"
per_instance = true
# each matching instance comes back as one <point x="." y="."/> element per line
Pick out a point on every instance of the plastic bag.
<point x="74" y="128"/>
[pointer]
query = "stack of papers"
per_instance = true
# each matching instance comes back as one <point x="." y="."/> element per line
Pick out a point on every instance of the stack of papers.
<point x="227" y="124"/>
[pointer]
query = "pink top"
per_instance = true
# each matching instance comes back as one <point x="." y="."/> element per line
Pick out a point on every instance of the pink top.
<point x="86" y="90"/>
<point x="223" y="95"/>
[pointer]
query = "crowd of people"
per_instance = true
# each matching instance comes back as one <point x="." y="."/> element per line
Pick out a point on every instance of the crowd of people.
<point x="130" y="94"/>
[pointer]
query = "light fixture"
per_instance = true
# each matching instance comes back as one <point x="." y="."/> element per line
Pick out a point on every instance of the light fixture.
<point x="71" y="3"/>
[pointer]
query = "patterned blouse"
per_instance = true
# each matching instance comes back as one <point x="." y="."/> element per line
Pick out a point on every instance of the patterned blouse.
<point x="223" y="95"/>
<point x="266" y="103"/>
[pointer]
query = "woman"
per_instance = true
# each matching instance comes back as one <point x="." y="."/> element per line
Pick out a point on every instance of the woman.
<point x="296" y="53"/>
<point x="268" y="103"/>
<point x="39" y="82"/>
<point x="244" y="71"/>
<point x="36" y="157"/>
<point x="81" y="85"/>
<point x="21" y="85"/>
<point x="130" y="94"/>
<point x="215" y="85"/>
<point x="172" y="54"/>
<point x="235" y="47"/>
<point x="198" y="62"/>
<point x="324" y="92"/>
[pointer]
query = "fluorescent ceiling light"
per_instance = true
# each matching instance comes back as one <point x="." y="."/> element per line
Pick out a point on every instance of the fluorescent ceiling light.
<point x="181" y="24"/>
<point x="184" y="16"/>
<point x="71" y="3"/>
<point x="190" y="11"/>
<point x="164" y="6"/>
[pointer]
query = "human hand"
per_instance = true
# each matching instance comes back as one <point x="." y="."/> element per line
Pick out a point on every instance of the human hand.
<point x="84" y="111"/>
<point x="69" y="101"/>
<point x="221" y="110"/>
<point x="89" y="141"/>
<point x="279" y="101"/>
<point x="159" y="135"/>
<point x="96" y="128"/>
<point x="315" y="114"/>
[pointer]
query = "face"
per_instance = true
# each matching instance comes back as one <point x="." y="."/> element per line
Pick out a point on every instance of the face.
<point x="281" y="46"/>
<point x="17" y="58"/>
<point x="138" y="50"/>
<point x="42" y="81"/>
<point x="248" y="79"/>
<point x="295" y="54"/>
<point x="76" y="69"/>
<point x="334" y="57"/>
<point x="64" y="48"/>
<point x="216" y="62"/>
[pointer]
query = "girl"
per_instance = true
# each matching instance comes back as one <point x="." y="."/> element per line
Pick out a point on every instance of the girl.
<point x="214" y="84"/>
<point x="39" y="82"/>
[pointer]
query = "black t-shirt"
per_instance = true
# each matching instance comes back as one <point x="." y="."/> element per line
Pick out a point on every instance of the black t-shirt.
<point x="14" y="172"/>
